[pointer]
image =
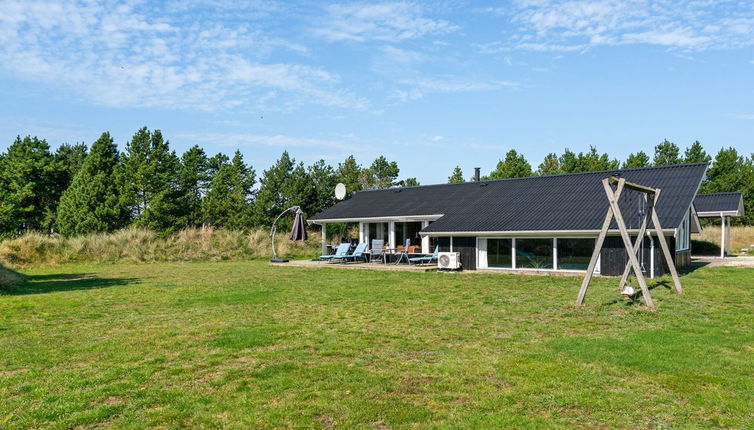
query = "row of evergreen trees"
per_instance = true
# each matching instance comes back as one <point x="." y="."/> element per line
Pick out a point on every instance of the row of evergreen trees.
<point x="77" y="190"/>
<point x="729" y="171"/>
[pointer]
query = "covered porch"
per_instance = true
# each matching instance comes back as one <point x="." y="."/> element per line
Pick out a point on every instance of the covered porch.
<point x="722" y="206"/>
<point x="395" y="232"/>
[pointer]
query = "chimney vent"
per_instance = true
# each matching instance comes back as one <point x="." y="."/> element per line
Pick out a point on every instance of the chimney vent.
<point x="476" y="174"/>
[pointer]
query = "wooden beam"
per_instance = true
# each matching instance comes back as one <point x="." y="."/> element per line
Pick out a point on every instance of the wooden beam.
<point x="666" y="251"/>
<point x="627" y="242"/>
<point x="598" y="245"/>
<point x="633" y="186"/>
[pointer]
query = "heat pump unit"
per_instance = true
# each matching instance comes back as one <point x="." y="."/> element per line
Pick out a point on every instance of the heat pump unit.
<point x="449" y="260"/>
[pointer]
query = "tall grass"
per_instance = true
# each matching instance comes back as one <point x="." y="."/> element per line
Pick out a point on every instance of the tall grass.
<point x="740" y="236"/>
<point x="143" y="246"/>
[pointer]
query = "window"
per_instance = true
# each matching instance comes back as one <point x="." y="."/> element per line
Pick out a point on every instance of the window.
<point x="534" y="254"/>
<point x="407" y="230"/>
<point x="682" y="240"/>
<point x="499" y="253"/>
<point x="574" y="254"/>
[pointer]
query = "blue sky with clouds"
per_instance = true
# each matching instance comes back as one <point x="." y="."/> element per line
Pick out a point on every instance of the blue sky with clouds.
<point x="431" y="85"/>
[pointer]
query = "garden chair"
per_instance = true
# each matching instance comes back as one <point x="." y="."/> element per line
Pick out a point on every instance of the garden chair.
<point x="378" y="251"/>
<point x="404" y="252"/>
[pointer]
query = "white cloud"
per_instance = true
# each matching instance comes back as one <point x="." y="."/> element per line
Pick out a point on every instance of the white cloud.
<point x="388" y="22"/>
<point x="131" y="55"/>
<point x="576" y="25"/>
<point x="748" y="116"/>
<point x="436" y="138"/>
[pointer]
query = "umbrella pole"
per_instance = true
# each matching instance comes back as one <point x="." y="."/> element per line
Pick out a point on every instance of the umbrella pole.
<point x="275" y="258"/>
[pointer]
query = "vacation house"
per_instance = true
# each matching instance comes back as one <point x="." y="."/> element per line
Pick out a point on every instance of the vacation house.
<point x="533" y="223"/>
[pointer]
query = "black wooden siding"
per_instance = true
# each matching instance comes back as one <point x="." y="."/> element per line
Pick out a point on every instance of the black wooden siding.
<point x="613" y="257"/>
<point x="465" y="245"/>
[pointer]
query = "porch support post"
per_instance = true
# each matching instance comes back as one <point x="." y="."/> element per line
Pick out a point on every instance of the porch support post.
<point x="425" y="239"/>
<point x="391" y="234"/>
<point x="722" y="235"/>
<point x="324" y="239"/>
<point x="361" y="232"/>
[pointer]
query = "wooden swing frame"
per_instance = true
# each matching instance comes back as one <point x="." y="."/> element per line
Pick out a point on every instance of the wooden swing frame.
<point x="650" y="195"/>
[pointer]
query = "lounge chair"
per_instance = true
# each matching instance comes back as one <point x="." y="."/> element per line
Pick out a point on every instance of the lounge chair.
<point x="341" y="250"/>
<point x="426" y="259"/>
<point x="357" y="254"/>
<point x="378" y="251"/>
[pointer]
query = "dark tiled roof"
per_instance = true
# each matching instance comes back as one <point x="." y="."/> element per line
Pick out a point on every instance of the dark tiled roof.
<point x="574" y="201"/>
<point x="718" y="202"/>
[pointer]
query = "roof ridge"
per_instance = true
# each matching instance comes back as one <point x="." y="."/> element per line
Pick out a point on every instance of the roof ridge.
<point x="720" y="192"/>
<point x="558" y="175"/>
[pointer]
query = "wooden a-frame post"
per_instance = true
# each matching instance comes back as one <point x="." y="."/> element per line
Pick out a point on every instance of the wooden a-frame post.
<point x="613" y="196"/>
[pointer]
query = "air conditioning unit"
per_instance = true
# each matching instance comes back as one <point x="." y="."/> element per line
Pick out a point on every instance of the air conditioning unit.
<point x="449" y="260"/>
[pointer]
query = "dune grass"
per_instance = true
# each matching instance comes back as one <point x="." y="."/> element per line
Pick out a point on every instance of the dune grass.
<point x="246" y="345"/>
<point x="133" y="245"/>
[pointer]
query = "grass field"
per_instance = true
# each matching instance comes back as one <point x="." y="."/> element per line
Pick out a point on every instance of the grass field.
<point x="246" y="345"/>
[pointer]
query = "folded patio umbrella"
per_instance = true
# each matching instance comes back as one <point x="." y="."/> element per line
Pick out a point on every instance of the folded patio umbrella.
<point x="298" y="232"/>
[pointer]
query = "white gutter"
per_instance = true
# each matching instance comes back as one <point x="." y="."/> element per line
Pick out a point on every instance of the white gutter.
<point x="407" y="218"/>
<point x="536" y="233"/>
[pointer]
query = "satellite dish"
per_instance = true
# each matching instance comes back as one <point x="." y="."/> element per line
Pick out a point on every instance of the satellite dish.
<point x="340" y="191"/>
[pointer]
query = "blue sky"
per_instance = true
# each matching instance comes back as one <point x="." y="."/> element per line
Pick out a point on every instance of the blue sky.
<point x="431" y="85"/>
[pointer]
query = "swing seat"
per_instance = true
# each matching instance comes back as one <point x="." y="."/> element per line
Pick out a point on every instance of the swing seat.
<point x="628" y="291"/>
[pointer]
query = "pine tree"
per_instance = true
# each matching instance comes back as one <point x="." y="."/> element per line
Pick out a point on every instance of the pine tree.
<point x="550" y="165"/>
<point x="349" y="173"/>
<point x="456" y="177"/>
<point x="91" y="203"/>
<point x="323" y="179"/>
<point x="593" y="161"/>
<point x="29" y="190"/>
<point x="230" y="197"/>
<point x="381" y="174"/>
<point x="696" y="154"/>
<point x="569" y="162"/>
<point x="71" y="158"/>
<point x="149" y="182"/>
<point x="513" y="166"/>
<point x="726" y="173"/>
<point x="732" y="172"/>
<point x="270" y="199"/>
<point x="408" y="182"/>
<point x="193" y="180"/>
<point x="667" y="153"/>
<point x="639" y="159"/>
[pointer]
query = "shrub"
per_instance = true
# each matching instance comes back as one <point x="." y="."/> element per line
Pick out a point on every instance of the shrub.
<point x="703" y="247"/>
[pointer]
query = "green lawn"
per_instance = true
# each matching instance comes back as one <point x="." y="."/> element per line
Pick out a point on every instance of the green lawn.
<point x="246" y="345"/>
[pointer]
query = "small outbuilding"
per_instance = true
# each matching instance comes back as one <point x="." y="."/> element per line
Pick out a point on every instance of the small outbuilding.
<point x="723" y="206"/>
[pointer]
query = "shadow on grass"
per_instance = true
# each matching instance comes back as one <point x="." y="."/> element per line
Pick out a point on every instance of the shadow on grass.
<point x="636" y="298"/>
<point x="40" y="284"/>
